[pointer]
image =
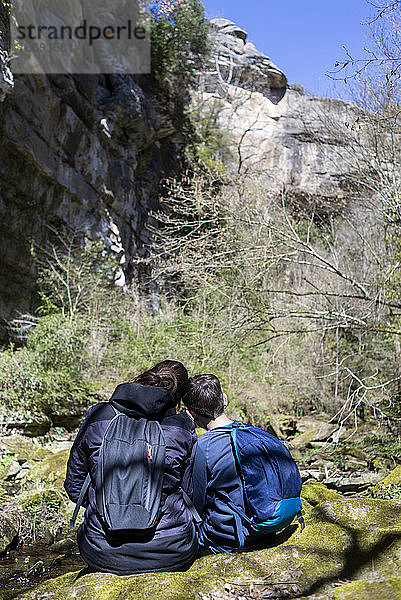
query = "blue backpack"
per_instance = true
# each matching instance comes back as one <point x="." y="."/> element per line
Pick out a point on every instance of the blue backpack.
<point x="270" y="479"/>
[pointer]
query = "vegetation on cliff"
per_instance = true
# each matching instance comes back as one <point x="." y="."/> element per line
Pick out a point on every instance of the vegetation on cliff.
<point x="295" y="308"/>
<point x="180" y="46"/>
<point x="90" y="337"/>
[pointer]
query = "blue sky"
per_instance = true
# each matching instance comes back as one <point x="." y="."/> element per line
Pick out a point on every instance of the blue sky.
<point x="302" y="37"/>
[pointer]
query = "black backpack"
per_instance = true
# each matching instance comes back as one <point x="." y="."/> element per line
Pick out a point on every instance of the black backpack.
<point x="129" y="476"/>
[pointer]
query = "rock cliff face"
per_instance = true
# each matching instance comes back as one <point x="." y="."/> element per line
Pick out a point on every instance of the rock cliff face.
<point x="87" y="153"/>
<point x="6" y="77"/>
<point x="237" y="62"/>
<point x="77" y="153"/>
<point x="300" y="144"/>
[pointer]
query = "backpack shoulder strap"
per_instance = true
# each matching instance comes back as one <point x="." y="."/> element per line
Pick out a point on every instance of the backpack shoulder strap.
<point x="240" y="517"/>
<point x="191" y="507"/>
<point x="99" y="415"/>
<point x="80" y="499"/>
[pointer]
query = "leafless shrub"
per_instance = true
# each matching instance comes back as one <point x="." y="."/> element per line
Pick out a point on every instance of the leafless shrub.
<point x="279" y="278"/>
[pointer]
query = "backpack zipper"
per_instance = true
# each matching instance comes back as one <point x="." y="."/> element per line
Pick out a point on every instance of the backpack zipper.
<point x="150" y="459"/>
<point x="101" y="452"/>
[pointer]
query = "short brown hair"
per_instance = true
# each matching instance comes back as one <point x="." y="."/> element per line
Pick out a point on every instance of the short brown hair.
<point x="204" y="396"/>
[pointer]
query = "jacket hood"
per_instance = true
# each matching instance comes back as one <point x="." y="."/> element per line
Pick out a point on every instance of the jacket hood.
<point x="136" y="400"/>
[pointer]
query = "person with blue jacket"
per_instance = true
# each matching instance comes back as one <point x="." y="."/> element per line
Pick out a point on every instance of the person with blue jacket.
<point x="215" y="478"/>
<point x="153" y="395"/>
<point x="214" y="469"/>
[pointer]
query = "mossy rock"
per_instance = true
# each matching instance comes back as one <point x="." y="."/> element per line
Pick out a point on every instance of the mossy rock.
<point x="301" y="566"/>
<point x="52" y="499"/>
<point x="352" y="451"/>
<point x="390" y="486"/>
<point x="374" y="528"/>
<point x="361" y="513"/>
<point x="8" y="531"/>
<point x="381" y="463"/>
<point x="52" y="469"/>
<point x="387" y="589"/>
<point x="103" y="586"/>
<point x="393" y="477"/>
<point x="307" y="508"/>
<point x="315" y="493"/>
<point x="344" y="538"/>
<point x="24" y="449"/>
<point x="316" y="431"/>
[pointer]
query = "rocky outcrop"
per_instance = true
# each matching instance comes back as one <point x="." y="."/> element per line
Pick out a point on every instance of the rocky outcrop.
<point x="87" y="154"/>
<point x="312" y="149"/>
<point x="344" y="540"/>
<point x="301" y="145"/>
<point x="83" y="154"/>
<point x="8" y="532"/>
<point x="326" y="455"/>
<point x="237" y="62"/>
<point x="6" y="77"/>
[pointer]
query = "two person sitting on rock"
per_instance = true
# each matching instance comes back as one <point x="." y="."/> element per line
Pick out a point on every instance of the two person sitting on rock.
<point x="131" y="462"/>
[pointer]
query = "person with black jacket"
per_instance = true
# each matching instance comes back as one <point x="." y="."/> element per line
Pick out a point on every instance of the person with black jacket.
<point x="173" y="546"/>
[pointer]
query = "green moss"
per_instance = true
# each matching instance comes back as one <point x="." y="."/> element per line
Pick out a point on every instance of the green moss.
<point x="104" y="586"/>
<point x="360" y="513"/>
<point x="393" y="477"/>
<point x="50" y="498"/>
<point x="52" y="469"/>
<point x="307" y="508"/>
<point x="343" y="537"/>
<point x="352" y="451"/>
<point x="380" y="463"/>
<point x="388" y="589"/>
<point x="24" y="449"/>
<point x="321" y="537"/>
<point x="374" y="527"/>
<point x="392" y="481"/>
<point x="315" y="493"/>
<point x="315" y="431"/>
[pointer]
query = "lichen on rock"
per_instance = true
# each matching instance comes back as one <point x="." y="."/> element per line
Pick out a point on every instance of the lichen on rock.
<point x="384" y="589"/>
<point x="52" y="469"/>
<point x="23" y="448"/>
<point x="8" y="531"/>
<point x="343" y="538"/>
<point x="390" y="486"/>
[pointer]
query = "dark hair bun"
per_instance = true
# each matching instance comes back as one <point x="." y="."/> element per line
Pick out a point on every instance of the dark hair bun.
<point x="169" y="374"/>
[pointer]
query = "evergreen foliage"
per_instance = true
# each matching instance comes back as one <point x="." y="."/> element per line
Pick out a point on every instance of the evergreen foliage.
<point x="180" y="45"/>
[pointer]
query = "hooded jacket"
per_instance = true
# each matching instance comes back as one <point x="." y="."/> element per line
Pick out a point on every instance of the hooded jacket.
<point x="175" y="529"/>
